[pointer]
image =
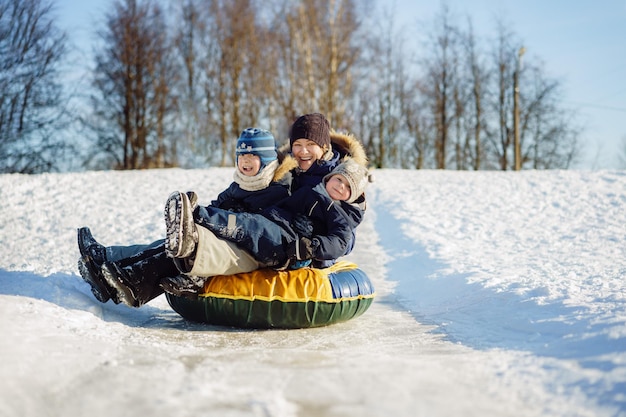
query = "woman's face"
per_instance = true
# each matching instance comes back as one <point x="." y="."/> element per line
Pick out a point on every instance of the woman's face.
<point x="249" y="164"/>
<point x="306" y="152"/>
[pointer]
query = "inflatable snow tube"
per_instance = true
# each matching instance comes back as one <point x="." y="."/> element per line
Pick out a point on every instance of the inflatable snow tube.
<point x="267" y="298"/>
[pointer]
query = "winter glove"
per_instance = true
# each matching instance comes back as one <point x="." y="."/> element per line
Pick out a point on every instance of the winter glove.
<point x="302" y="225"/>
<point x="302" y="249"/>
<point x="232" y="205"/>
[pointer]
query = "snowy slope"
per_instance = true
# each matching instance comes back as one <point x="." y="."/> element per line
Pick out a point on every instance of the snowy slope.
<point x="499" y="294"/>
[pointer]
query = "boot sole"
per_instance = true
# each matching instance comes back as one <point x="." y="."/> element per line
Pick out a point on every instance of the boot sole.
<point x="179" y="224"/>
<point x="85" y="239"/>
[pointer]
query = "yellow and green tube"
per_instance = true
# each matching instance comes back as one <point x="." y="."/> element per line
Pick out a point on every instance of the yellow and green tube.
<point x="291" y="299"/>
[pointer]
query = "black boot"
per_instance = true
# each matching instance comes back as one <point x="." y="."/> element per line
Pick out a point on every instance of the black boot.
<point x="92" y="257"/>
<point x="187" y="286"/>
<point x="136" y="279"/>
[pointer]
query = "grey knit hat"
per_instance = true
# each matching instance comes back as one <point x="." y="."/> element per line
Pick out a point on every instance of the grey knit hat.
<point x="355" y="174"/>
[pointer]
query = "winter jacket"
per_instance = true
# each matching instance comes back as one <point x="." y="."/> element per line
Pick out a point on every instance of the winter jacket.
<point x="333" y="221"/>
<point x="268" y="236"/>
<point x="235" y="198"/>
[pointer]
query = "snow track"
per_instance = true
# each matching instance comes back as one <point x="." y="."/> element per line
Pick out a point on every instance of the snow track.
<point x="499" y="294"/>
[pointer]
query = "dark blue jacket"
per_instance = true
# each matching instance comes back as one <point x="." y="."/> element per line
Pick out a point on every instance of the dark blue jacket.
<point x="268" y="237"/>
<point x="310" y="178"/>
<point x="235" y="198"/>
<point x="333" y="221"/>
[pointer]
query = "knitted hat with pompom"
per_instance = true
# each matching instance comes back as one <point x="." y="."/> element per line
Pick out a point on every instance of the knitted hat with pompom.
<point x="257" y="142"/>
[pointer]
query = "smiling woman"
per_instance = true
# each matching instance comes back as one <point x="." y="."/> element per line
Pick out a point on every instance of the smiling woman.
<point x="309" y="139"/>
<point x="306" y="152"/>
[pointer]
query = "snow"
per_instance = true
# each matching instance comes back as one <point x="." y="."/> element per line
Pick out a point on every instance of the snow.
<point x="498" y="294"/>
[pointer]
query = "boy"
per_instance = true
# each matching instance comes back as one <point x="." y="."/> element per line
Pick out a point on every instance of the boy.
<point x="132" y="274"/>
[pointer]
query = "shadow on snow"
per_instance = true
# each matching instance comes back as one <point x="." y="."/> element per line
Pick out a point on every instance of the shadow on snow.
<point x="72" y="293"/>
<point x="488" y="318"/>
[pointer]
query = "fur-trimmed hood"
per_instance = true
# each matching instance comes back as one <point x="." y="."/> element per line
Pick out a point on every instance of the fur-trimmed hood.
<point x="345" y="144"/>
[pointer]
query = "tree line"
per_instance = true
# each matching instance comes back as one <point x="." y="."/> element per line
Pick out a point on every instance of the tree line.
<point x="173" y="84"/>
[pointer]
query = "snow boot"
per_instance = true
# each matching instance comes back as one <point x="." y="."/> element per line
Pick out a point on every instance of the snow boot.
<point x="193" y="200"/>
<point x="92" y="257"/>
<point x="187" y="286"/>
<point x="136" y="279"/>
<point x="181" y="235"/>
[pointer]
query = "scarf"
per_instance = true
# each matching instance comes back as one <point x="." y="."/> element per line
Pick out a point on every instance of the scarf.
<point x="258" y="182"/>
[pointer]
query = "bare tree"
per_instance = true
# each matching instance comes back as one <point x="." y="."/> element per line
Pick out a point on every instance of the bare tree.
<point x="236" y="74"/>
<point x="381" y="78"/>
<point x="505" y="59"/>
<point x="134" y="70"/>
<point x="319" y="49"/>
<point x="441" y="77"/>
<point x="478" y="81"/>
<point x="419" y="128"/>
<point x="188" y="41"/>
<point x="549" y="133"/>
<point x="32" y="102"/>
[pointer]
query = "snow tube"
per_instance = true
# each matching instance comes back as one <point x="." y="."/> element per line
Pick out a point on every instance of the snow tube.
<point x="267" y="298"/>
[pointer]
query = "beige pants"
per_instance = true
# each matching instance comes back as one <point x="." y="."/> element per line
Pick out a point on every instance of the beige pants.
<point x="220" y="257"/>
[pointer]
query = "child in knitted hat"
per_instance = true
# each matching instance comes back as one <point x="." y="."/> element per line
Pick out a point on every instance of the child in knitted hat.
<point x="254" y="188"/>
<point x="259" y="143"/>
<point x="347" y="181"/>
<point x="257" y="161"/>
<point x="334" y="224"/>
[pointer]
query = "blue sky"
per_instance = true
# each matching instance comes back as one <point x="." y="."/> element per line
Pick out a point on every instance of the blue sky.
<point x="581" y="42"/>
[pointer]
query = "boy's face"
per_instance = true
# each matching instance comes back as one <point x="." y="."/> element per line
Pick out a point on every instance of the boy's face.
<point x="306" y="152"/>
<point x="249" y="164"/>
<point x="338" y="188"/>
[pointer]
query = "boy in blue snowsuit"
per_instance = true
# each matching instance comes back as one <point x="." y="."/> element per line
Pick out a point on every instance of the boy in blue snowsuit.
<point x="132" y="274"/>
<point x="256" y="185"/>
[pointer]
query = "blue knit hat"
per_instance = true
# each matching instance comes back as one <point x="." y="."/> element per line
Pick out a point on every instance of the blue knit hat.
<point x="257" y="142"/>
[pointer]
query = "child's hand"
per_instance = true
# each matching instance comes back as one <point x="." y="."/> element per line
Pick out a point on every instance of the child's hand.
<point x="303" y="248"/>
